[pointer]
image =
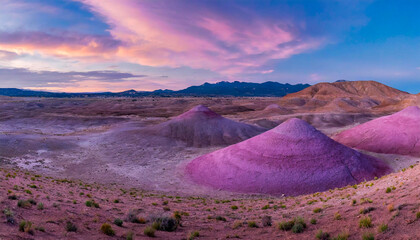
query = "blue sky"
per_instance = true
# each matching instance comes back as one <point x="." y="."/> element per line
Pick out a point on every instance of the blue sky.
<point x="87" y="45"/>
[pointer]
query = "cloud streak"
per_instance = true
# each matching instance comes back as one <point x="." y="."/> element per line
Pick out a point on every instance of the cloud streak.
<point x="182" y="33"/>
<point x="60" y="44"/>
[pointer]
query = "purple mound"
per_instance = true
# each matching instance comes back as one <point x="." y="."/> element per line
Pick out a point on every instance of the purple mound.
<point x="398" y="133"/>
<point x="201" y="127"/>
<point x="292" y="159"/>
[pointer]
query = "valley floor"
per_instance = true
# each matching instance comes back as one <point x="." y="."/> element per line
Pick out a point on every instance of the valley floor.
<point x="387" y="208"/>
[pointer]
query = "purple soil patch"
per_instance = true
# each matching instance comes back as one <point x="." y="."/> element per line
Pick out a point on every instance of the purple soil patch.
<point x="201" y="127"/>
<point x="398" y="133"/>
<point x="292" y="159"/>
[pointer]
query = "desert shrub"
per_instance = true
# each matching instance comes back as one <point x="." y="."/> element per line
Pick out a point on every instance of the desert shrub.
<point x="322" y="235"/>
<point x="368" y="236"/>
<point x="313" y="221"/>
<point x="365" y="222"/>
<point x="418" y="215"/>
<point x="337" y="216"/>
<point x="266" y="221"/>
<point x="24" y="204"/>
<point x="9" y="216"/>
<point x="383" y="228"/>
<point x="107" y="229"/>
<point x="252" y="224"/>
<point x="193" y="235"/>
<point x="39" y="228"/>
<point x="391" y="207"/>
<point x="298" y="228"/>
<point x="149" y="231"/>
<point x="129" y="235"/>
<point x="132" y="217"/>
<point x="118" y="222"/>
<point x="91" y="203"/>
<point x="40" y="206"/>
<point x="141" y="220"/>
<point x="388" y="190"/>
<point x="26" y="226"/>
<point x="342" y="236"/>
<point x="286" y="226"/>
<point x="71" y="227"/>
<point x="12" y="197"/>
<point x="156" y="225"/>
<point x="366" y="210"/>
<point x="167" y="224"/>
<point x="297" y="225"/>
<point x="234" y="207"/>
<point x="220" y="218"/>
<point x="177" y="216"/>
<point x="317" y="210"/>
<point x="116" y="201"/>
<point x="237" y="224"/>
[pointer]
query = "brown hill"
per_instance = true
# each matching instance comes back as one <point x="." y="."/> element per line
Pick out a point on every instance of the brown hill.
<point x="347" y="96"/>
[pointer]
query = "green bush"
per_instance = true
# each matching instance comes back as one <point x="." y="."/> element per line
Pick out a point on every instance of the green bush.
<point x="9" y="216"/>
<point x="91" y="203"/>
<point x="383" y="228"/>
<point x="297" y="225"/>
<point x="342" y="236"/>
<point x="149" y="231"/>
<point x="24" y="204"/>
<point x="252" y="224"/>
<point x="26" y="226"/>
<point x="194" y="235"/>
<point x="118" y="222"/>
<point x="107" y="229"/>
<point x="40" y="206"/>
<point x="368" y="236"/>
<point x="317" y="210"/>
<point x="129" y="235"/>
<point x="286" y="226"/>
<point x="70" y="227"/>
<point x="365" y="222"/>
<point x="322" y="235"/>
<point x="167" y="224"/>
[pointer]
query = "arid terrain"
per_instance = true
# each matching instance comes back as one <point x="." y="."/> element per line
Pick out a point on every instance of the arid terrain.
<point x="86" y="162"/>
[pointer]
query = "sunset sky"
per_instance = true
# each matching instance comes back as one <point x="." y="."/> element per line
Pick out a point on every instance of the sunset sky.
<point x="115" y="45"/>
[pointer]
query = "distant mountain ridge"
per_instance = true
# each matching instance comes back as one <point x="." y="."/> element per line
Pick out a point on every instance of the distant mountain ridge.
<point x="234" y="89"/>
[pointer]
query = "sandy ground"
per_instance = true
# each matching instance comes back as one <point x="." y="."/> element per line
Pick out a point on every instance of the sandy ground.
<point x="62" y="143"/>
<point x="101" y="143"/>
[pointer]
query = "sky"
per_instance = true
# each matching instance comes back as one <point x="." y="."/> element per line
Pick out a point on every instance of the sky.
<point x="108" y="45"/>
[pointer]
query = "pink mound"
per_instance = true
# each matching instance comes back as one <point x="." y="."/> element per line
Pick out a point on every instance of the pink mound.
<point x="293" y="158"/>
<point x="200" y="127"/>
<point x="398" y="133"/>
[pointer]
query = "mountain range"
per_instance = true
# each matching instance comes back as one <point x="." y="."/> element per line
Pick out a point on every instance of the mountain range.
<point x="235" y="89"/>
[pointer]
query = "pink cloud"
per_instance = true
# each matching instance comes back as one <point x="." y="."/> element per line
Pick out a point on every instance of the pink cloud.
<point x="156" y="33"/>
<point x="63" y="44"/>
<point x="175" y="34"/>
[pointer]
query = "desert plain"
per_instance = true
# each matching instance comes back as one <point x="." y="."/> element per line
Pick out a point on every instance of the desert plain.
<point x="69" y="166"/>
